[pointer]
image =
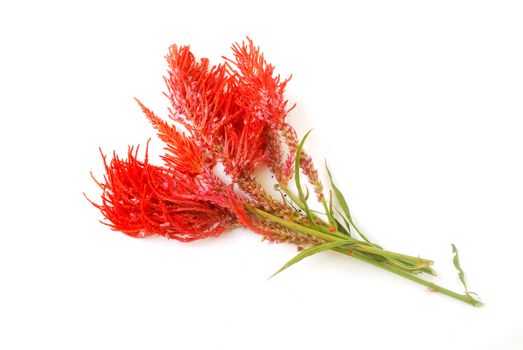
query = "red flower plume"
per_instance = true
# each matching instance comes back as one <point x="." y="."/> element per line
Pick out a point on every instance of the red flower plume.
<point x="245" y="145"/>
<point x="200" y="95"/>
<point x="230" y="111"/>
<point x="260" y="90"/>
<point x="182" y="152"/>
<point x="140" y="200"/>
<point x="233" y="114"/>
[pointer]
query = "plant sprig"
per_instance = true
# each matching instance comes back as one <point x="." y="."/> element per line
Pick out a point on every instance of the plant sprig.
<point x="341" y="241"/>
<point x="234" y="115"/>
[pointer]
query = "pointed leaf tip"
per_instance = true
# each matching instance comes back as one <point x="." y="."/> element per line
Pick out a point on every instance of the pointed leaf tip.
<point x="311" y="251"/>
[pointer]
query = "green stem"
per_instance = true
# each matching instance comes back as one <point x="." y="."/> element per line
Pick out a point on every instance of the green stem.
<point x="327" y="212"/>
<point x="467" y="298"/>
<point x="355" y="244"/>
<point x="292" y="197"/>
<point x="378" y="251"/>
<point x="323" y="225"/>
<point x="297" y="227"/>
<point x="359" y="248"/>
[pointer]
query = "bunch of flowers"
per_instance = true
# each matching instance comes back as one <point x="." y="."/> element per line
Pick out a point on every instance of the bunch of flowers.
<point x="235" y="114"/>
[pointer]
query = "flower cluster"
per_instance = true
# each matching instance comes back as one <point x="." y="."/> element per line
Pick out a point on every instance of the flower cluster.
<point x="235" y="115"/>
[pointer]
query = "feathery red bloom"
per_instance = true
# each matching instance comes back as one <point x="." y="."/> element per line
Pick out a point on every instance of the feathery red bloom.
<point x="141" y="200"/>
<point x="183" y="153"/>
<point x="259" y="93"/>
<point x="230" y="111"/>
<point x="260" y="90"/>
<point x="244" y="148"/>
<point x="234" y="114"/>
<point x="200" y="95"/>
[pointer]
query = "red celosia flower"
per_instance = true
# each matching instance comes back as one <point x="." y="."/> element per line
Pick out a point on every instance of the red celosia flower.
<point x="182" y="152"/>
<point x="230" y="112"/>
<point x="233" y="113"/>
<point x="244" y="148"/>
<point x="260" y="90"/>
<point x="200" y="96"/>
<point x="140" y="200"/>
<point x="260" y="94"/>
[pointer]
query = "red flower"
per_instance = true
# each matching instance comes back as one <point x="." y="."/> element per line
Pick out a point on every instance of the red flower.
<point x="183" y="153"/>
<point x="200" y="96"/>
<point x="260" y="90"/>
<point x="234" y="110"/>
<point x="140" y="200"/>
<point x="233" y="114"/>
<point x="245" y="145"/>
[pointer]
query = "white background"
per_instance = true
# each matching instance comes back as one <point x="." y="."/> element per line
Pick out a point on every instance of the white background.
<point x="417" y="105"/>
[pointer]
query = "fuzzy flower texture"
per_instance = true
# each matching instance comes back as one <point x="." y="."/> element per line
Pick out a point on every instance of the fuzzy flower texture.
<point x="235" y="114"/>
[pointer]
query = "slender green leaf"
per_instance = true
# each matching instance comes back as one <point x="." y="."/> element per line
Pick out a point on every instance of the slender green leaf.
<point x="461" y="274"/>
<point x="311" y="251"/>
<point x="343" y="204"/>
<point x="339" y="196"/>
<point x="302" y="197"/>
<point x="328" y="209"/>
<point x="347" y="224"/>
